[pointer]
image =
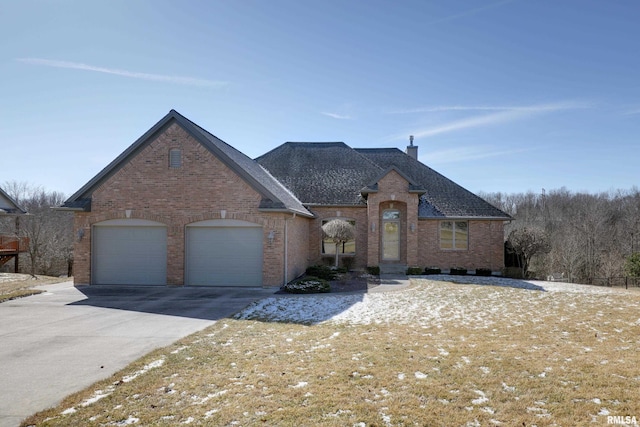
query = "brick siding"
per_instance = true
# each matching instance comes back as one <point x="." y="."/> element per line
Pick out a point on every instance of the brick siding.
<point x="199" y="190"/>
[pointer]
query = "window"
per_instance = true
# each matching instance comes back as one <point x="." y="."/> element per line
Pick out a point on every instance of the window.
<point x="454" y="235"/>
<point x="345" y="248"/>
<point x="175" y="158"/>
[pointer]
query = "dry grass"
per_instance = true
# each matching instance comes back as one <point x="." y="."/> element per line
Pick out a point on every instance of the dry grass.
<point x="14" y="286"/>
<point x="492" y="356"/>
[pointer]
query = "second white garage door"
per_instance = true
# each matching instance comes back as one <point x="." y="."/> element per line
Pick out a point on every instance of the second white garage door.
<point x="224" y="253"/>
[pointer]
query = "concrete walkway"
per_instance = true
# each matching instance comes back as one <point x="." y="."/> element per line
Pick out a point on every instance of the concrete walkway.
<point x="67" y="338"/>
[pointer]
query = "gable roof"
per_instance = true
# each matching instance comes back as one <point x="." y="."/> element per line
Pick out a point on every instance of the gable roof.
<point x="332" y="173"/>
<point x="443" y="197"/>
<point x="275" y="197"/>
<point x="8" y="205"/>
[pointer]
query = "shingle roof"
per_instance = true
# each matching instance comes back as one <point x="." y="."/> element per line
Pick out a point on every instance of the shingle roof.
<point x="443" y="197"/>
<point x="332" y="173"/>
<point x="275" y="195"/>
<point x="321" y="173"/>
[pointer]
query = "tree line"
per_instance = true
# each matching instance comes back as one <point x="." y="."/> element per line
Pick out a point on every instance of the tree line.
<point x="584" y="238"/>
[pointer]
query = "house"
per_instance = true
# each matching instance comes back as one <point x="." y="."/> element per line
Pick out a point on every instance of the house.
<point x="10" y="244"/>
<point x="180" y="206"/>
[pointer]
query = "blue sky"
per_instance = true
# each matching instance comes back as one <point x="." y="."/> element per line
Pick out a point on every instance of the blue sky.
<point x="509" y="96"/>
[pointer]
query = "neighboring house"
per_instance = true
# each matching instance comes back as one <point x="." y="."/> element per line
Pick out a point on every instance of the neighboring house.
<point x="180" y="206"/>
<point x="10" y="244"/>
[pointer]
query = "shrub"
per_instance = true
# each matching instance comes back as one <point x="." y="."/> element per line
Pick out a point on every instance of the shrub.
<point x="307" y="285"/>
<point x="432" y="270"/>
<point x="483" y="272"/>
<point x="322" y="272"/>
<point x="512" y="272"/>
<point x="375" y="270"/>
<point x="414" y="271"/>
<point x="632" y="265"/>
<point x="458" y="271"/>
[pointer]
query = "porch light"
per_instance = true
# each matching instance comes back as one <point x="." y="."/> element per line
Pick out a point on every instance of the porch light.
<point x="80" y="234"/>
<point x="373" y="227"/>
<point x="271" y="236"/>
<point x="412" y="227"/>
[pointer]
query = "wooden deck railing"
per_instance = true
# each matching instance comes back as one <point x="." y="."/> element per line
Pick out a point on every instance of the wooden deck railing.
<point x="10" y="244"/>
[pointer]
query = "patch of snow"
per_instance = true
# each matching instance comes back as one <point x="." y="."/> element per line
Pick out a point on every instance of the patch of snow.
<point x="401" y="376"/>
<point x="152" y="365"/>
<point x="68" y="411"/>
<point x="603" y="411"/>
<point x="505" y="387"/>
<point x="419" y="375"/>
<point x="128" y="421"/>
<point x="179" y="349"/>
<point x="208" y="414"/>
<point x="385" y="418"/>
<point x="482" y="399"/>
<point x="300" y="384"/>
<point x="485" y="370"/>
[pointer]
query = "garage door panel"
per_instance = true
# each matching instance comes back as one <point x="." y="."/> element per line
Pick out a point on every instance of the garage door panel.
<point x="129" y="255"/>
<point x="224" y="256"/>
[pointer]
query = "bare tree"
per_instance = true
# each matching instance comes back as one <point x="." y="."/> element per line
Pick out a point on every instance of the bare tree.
<point x="528" y="242"/>
<point x="49" y="232"/>
<point x="339" y="231"/>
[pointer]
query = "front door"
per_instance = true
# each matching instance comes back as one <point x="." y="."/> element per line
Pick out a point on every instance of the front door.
<point x="391" y="235"/>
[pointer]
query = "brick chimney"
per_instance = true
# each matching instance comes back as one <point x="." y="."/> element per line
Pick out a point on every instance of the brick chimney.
<point x="412" y="150"/>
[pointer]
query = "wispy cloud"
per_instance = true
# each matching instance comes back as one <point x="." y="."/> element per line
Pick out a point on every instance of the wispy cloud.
<point x="503" y="115"/>
<point x="336" y="116"/>
<point x="190" y="81"/>
<point x="458" y="154"/>
<point x="439" y="108"/>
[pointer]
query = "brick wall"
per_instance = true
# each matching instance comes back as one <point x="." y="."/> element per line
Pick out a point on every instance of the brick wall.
<point x="358" y="214"/>
<point x="199" y="190"/>
<point x="298" y="247"/>
<point x="486" y="246"/>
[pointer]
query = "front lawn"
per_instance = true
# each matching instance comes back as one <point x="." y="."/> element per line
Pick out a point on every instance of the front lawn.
<point x="437" y="353"/>
<point x="14" y="286"/>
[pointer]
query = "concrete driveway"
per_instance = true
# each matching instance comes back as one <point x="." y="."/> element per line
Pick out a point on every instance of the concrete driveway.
<point x="67" y="338"/>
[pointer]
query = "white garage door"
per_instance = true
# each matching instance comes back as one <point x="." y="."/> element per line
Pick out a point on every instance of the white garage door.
<point x="224" y="253"/>
<point x="129" y="252"/>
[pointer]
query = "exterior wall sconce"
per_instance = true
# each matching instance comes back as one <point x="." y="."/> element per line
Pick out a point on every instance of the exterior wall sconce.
<point x="373" y="227"/>
<point x="80" y="234"/>
<point x="271" y="237"/>
<point x="223" y="214"/>
<point x="127" y="213"/>
<point x="412" y="227"/>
